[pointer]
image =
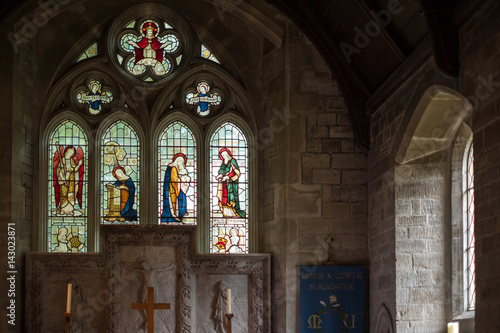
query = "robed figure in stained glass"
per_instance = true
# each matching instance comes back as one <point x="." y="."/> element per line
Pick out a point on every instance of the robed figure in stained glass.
<point x="203" y="98"/>
<point x="148" y="50"/>
<point x="126" y="188"/>
<point x="68" y="172"/>
<point x="227" y="187"/>
<point x="175" y="187"/>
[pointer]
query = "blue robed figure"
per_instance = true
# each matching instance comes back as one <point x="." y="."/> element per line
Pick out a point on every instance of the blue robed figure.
<point x="127" y="196"/>
<point x="175" y="186"/>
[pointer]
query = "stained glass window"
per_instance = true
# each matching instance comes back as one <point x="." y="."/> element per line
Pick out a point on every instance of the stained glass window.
<point x="149" y="49"/>
<point x="470" y="252"/>
<point x="202" y="98"/>
<point x="177" y="193"/>
<point x="90" y="52"/>
<point x="228" y="190"/>
<point x="120" y="175"/>
<point x="67" y="222"/>
<point x="207" y="54"/>
<point x="95" y="96"/>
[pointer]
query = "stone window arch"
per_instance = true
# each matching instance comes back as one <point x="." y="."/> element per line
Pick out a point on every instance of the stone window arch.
<point x="126" y="116"/>
<point x="429" y="198"/>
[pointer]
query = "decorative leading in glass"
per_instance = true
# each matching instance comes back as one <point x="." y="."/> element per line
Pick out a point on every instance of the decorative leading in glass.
<point x="203" y="99"/>
<point x="177" y="191"/>
<point x="229" y="190"/>
<point x="95" y="96"/>
<point x="90" y="52"/>
<point x="67" y="189"/>
<point x="207" y="54"/>
<point x="120" y="175"/>
<point x="470" y="248"/>
<point x="150" y="50"/>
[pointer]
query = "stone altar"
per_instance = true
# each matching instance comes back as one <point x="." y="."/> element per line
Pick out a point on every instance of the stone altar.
<point x="133" y="258"/>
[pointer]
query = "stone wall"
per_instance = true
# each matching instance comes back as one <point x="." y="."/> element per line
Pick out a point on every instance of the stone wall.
<point x="422" y="250"/>
<point x="480" y="82"/>
<point x="6" y="178"/>
<point x="19" y="160"/>
<point x="410" y="227"/>
<point x="382" y="245"/>
<point x="306" y="125"/>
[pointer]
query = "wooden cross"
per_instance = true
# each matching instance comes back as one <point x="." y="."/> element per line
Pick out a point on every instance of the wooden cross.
<point x="150" y="306"/>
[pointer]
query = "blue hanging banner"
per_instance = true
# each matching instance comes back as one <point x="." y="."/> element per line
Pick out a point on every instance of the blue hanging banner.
<point x="332" y="299"/>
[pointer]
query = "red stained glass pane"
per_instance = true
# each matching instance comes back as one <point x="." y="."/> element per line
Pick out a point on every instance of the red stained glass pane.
<point x="67" y="199"/>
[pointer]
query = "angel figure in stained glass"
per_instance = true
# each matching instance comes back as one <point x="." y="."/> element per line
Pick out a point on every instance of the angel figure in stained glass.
<point x="94" y="97"/>
<point x="227" y="188"/>
<point x="148" y="50"/>
<point x="68" y="172"/>
<point x="175" y="187"/>
<point x="203" y="98"/>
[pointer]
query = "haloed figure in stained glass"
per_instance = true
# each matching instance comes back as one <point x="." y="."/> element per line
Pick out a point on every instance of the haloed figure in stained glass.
<point x="227" y="188"/>
<point x="68" y="172"/>
<point x="148" y="50"/>
<point x="175" y="187"/>
<point x="127" y="194"/>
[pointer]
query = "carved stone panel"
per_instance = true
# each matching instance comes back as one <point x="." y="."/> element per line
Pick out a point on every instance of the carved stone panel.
<point x="47" y="278"/>
<point x="134" y="258"/>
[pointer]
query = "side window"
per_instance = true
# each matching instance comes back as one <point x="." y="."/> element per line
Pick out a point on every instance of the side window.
<point x="228" y="176"/>
<point x="177" y="189"/>
<point x="470" y="273"/>
<point x="120" y="175"/>
<point x="68" y="216"/>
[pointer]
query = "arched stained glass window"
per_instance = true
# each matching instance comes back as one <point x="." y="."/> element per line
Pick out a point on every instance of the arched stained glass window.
<point x="228" y="190"/>
<point x="67" y="220"/>
<point x="470" y="252"/>
<point x="177" y="193"/>
<point x="120" y="175"/>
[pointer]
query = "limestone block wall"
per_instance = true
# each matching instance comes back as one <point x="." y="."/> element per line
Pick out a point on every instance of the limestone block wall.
<point x="381" y="242"/>
<point x="5" y="180"/>
<point x="17" y="166"/>
<point x="314" y="175"/>
<point x="480" y="82"/>
<point x="409" y="223"/>
<point x="423" y="289"/>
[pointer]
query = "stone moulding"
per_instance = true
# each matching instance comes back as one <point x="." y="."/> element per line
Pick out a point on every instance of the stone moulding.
<point x="105" y="285"/>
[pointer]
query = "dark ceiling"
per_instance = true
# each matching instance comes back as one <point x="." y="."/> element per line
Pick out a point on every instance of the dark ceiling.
<point x="372" y="46"/>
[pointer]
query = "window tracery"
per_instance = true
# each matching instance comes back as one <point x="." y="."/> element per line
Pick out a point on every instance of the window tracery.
<point x="116" y="166"/>
<point x="68" y="191"/>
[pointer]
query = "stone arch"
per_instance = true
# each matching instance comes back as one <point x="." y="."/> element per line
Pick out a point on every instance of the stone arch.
<point x="384" y="322"/>
<point x="435" y="121"/>
<point x="424" y="210"/>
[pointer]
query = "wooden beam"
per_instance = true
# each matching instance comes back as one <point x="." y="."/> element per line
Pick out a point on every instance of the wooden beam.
<point x="389" y="37"/>
<point x="443" y="34"/>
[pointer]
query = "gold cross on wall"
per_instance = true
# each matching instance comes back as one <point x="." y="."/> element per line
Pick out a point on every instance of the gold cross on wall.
<point x="150" y="307"/>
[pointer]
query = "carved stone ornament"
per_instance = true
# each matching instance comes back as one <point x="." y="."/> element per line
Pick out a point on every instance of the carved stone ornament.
<point x="134" y="258"/>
